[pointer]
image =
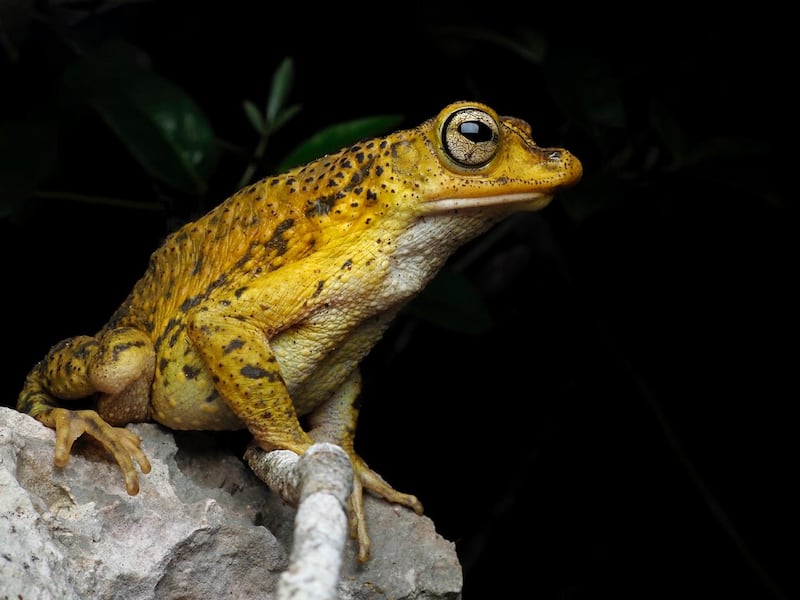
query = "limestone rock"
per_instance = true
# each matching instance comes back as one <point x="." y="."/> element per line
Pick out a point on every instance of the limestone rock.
<point x="202" y="525"/>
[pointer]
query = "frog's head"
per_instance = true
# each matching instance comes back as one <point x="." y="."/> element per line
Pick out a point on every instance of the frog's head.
<point x="470" y="159"/>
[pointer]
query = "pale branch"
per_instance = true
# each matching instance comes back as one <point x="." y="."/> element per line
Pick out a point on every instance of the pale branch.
<point x="319" y="482"/>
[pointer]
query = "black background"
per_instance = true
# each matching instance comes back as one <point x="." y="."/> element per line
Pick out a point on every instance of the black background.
<point x="625" y="429"/>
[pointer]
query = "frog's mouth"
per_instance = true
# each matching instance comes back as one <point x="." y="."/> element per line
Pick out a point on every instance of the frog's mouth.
<point x="515" y="202"/>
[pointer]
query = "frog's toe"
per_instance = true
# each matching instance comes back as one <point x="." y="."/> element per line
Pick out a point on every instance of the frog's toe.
<point x="376" y="484"/>
<point x="368" y="479"/>
<point x="123" y="445"/>
<point x="358" y="521"/>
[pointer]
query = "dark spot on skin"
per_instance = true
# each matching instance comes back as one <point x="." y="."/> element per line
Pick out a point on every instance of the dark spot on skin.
<point x="191" y="372"/>
<point x="190" y="302"/>
<point x="198" y="265"/>
<point x="243" y="261"/>
<point x="173" y="323"/>
<point x="332" y="183"/>
<point x="212" y="397"/>
<point x="277" y="242"/>
<point x="174" y="338"/>
<point x="218" y="282"/>
<point x="120" y="348"/>
<point x="238" y="293"/>
<point x="379" y="170"/>
<point x="318" y="291"/>
<point x="233" y="345"/>
<point x="60" y="346"/>
<point x="81" y="351"/>
<point x="346" y="163"/>
<point x="372" y="197"/>
<point x="254" y="372"/>
<point x="347" y="264"/>
<point x="320" y="206"/>
<point x="25" y="404"/>
<point x="162" y="365"/>
<point x="360" y="157"/>
<point x="193" y="301"/>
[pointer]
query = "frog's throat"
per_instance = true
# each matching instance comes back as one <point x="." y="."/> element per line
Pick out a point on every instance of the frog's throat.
<point x="519" y="201"/>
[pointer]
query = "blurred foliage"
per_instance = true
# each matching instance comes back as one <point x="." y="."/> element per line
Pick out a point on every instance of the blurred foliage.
<point x="167" y="134"/>
<point x="164" y="130"/>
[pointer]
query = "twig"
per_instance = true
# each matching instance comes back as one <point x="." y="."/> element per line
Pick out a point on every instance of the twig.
<point x="320" y="481"/>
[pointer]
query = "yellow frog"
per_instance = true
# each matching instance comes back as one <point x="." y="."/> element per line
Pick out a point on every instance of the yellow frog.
<point x="260" y="311"/>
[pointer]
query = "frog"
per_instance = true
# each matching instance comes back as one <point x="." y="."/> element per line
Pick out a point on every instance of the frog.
<point x="258" y="314"/>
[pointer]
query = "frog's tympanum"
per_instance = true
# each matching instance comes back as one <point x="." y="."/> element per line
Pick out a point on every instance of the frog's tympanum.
<point x="260" y="311"/>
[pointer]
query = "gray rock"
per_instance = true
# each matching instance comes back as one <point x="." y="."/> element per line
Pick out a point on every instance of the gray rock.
<point x="202" y="525"/>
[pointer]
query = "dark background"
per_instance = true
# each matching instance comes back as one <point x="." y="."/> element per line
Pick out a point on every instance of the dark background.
<point x="625" y="426"/>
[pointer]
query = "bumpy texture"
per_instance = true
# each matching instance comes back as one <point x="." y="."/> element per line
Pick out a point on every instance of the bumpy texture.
<point x="202" y="526"/>
<point x="260" y="311"/>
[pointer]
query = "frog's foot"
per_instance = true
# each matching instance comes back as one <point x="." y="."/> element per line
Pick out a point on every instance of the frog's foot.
<point x="123" y="445"/>
<point x="366" y="478"/>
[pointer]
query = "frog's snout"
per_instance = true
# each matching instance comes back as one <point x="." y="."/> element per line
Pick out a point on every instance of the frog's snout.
<point x="565" y="163"/>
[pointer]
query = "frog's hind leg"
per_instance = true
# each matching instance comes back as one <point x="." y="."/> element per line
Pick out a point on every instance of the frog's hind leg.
<point x="335" y="422"/>
<point x="119" y="365"/>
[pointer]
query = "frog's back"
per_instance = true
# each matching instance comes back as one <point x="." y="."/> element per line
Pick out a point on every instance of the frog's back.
<point x="262" y="227"/>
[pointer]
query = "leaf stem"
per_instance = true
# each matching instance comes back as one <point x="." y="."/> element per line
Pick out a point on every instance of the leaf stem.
<point x="258" y="155"/>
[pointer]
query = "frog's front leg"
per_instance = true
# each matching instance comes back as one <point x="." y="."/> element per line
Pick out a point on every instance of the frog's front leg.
<point x="119" y="364"/>
<point x="236" y="353"/>
<point x="335" y="422"/>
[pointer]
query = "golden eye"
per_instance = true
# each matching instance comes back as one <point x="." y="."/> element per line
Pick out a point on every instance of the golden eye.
<point x="470" y="137"/>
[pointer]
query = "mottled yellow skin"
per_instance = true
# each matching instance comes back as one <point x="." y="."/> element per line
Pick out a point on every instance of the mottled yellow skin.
<point x="261" y="310"/>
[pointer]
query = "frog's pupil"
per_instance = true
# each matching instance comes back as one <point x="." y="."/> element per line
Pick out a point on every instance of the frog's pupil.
<point x="475" y="131"/>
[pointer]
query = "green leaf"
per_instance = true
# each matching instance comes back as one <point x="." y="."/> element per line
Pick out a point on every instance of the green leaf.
<point x="254" y="116"/>
<point x="282" y="81"/>
<point x="159" y="124"/>
<point x="335" y="137"/>
<point x="452" y="302"/>
<point x="28" y="156"/>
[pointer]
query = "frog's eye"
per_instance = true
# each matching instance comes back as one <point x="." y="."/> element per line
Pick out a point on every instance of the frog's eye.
<point x="470" y="137"/>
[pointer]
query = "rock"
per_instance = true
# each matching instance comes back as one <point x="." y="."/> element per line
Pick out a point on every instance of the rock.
<point x="202" y="525"/>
